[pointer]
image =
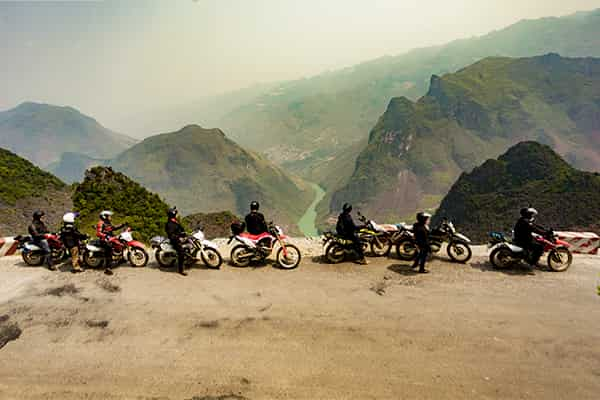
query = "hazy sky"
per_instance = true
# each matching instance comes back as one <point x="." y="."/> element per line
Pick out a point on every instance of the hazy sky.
<point x="112" y="58"/>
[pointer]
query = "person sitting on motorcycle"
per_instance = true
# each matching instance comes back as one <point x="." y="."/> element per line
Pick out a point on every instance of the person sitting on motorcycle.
<point x="38" y="230"/>
<point x="71" y="238"/>
<point x="523" y="234"/>
<point x="421" y="233"/>
<point x="347" y="229"/>
<point x="104" y="231"/>
<point x="176" y="235"/>
<point x="255" y="221"/>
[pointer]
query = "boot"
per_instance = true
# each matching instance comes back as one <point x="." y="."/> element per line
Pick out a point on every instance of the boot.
<point x="362" y="261"/>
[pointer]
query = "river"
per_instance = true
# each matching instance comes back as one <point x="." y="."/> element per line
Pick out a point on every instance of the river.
<point x="307" y="223"/>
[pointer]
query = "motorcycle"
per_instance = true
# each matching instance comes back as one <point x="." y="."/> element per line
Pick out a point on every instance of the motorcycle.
<point x="259" y="247"/>
<point x="378" y="238"/>
<point x="123" y="246"/>
<point x="504" y="253"/>
<point x="458" y="248"/>
<point x="33" y="255"/>
<point x="337" y="249"/>
<point x="195" y="247"/>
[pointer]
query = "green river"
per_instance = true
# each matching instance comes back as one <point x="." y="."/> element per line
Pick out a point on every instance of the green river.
<point x="307" y="223"/>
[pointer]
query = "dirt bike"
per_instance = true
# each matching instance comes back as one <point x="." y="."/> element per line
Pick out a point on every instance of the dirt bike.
<point x="123" y="247"/>
<point x="378" y="238"/>
<point x="504" y="253"/>
<point x="195" y="247"/>
<point x="458" y="248"/>
<point x="258" y="248"/>
<point x="338" y="249"/>
<point x="33" y="255"/>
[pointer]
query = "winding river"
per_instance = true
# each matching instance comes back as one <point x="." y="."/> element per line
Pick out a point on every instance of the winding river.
<point x="307" y="223"/>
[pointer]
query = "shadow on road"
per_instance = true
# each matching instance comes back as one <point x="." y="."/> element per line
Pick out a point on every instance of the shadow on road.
<point x="516" y="269"/>
<point x="403" y="269"/>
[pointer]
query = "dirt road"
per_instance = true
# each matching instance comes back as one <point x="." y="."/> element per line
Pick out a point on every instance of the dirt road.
<point x="319" y="332"/>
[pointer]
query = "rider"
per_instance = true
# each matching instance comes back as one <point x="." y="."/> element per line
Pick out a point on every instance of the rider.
<point x="523" y="234"/>
<point x="255" y="221"/>
<point x="421" y="232"/>
<point x="104" y="231"/>
<point x="347" y="229"/>
<point x="38" y="230"/>
<point x="71" y="238"/>
<point x="176" y="233"/>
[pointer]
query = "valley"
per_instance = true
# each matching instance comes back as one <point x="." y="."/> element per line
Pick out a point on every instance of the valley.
<point x="308" y="223"/>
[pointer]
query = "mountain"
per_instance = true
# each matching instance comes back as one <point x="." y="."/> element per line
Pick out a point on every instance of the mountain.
<point x="418" y="149"/>
<point x="42" y="133"/>
<point x="201" y="170"/>
<point x="489" y="198"/>
<point x="105" y="189"/>
<point x="25" y="188"/>
<point x="71" y="167"/>
<point x="214" y="225"/>
<point x="297" y="124"/>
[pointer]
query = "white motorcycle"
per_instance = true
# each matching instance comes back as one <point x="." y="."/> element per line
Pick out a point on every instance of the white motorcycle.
<point x="196" y="247"/>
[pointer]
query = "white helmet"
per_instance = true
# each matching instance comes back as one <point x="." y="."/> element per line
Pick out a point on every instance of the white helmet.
<point x="69" y="218"/>
<point x="105" y="214"/>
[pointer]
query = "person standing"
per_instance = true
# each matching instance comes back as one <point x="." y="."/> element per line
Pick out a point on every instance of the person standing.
<point x="348" y="230"/>
<point x="104" y="231"/>
<point x="176" y="235"/>
<point x="38" y="231"/>
<point x="421" y="232"/>
<point x="71" y="238"/>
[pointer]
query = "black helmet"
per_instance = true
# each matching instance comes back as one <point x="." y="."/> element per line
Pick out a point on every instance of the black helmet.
<point x="347" y="207"/>
<point x="172" y="212"/>
<point x="422" y="217"/>
<point x="254" y="206"/>
<point x="529" y="213"/>
<point x="38" y="214"/>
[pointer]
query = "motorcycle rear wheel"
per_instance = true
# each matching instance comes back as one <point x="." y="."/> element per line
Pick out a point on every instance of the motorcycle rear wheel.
<point x="560" y="259"/>
<point x="381" y="246"/>
<point x="240" y="256"/>
<point x="501" y="258"/>
<point x="33" y="259"/>
<point x="212" y="258"/>
<point x="137" y="257"/>
<point x="335" y="253"/>
<point x="164" y="262"/>
<point x="459" y="252"/>
<point x="406" y="249"/>
<point x="293" y="258"/>
<point x="92" y="261"/>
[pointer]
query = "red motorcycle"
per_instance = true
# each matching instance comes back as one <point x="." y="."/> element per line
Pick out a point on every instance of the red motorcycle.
<point x="123" y="247"/>
<point x="34" y="255"/>
<point x="504" y="253"/>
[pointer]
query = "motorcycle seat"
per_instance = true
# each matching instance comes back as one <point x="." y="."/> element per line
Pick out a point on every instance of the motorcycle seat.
<point x="255" y="238"/>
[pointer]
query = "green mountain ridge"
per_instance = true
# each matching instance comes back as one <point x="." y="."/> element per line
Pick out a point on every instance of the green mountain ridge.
<point x="489" y="198"/>
<point x="418" y="149"/>
<point x="42" y="133"/>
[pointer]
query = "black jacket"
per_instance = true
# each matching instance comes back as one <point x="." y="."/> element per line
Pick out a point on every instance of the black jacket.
<point x="37" y="229"/>
<point x="421" y="232"/>
<point x="174" y="231"/>
<point x="70" y="236"/>
<point x="524" y="230"/>
<point x="345" y="226"/>
<point x="255" y="223"/>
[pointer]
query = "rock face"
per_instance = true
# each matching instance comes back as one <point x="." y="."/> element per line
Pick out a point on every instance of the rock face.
<point x="418" y="149"/>
<point x="489" y="198"/>
<point x="25" y="188"/>
<point x="201" y="170"/>
<point x="42" y="133"/>
<point x="214" y="225"/>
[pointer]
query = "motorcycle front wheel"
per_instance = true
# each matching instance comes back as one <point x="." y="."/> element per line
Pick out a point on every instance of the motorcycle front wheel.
<point x="32" y="258"/>
<point x="137" y="257"/>
<point x="291" y="260"/>
<point x="212" y="258"/>
<point x="381" y="246"/>
<point x="560" y="259"/>
<point x="92" y="261"/>
<point x="240" y="256"/>
<point x="335" y="253"/>
<point x="459" y="252"/>
<point x="406" y="250"/>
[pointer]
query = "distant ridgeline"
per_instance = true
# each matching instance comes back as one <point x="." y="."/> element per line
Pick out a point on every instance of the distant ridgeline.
<point x="489" y="198"/>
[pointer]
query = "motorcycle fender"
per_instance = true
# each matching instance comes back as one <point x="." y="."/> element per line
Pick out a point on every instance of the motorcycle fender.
<point x="135" y="243"/>
<point x="31" y="247"/>
<point x="462" y="237"/>
<point x="208" y="243"/>
<point x="93" y="249"/>
<point x="166" y="247"/>
<point x="246" y="241"/>
<point x="513" y="248"/>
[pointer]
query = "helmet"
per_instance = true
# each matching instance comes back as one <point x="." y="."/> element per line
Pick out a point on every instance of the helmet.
<point x="105" y="214"/>
<point x="529" y="213"/>
<point x="347" y="207"/>
<point x="69" y="218"/>
<point x="254" y="206"/>
<point x="172" y="212"/>
<point x="422" y="217"/>
<point x="38" y="214"/>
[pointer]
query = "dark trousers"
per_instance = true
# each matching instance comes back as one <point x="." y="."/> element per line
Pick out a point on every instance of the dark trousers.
<point x="178" y="246"/>
<point x="43" y="244"/>
<point x="358" y="247"/>
<point x="421" y="259"/>
<point x="536" y="250"/>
